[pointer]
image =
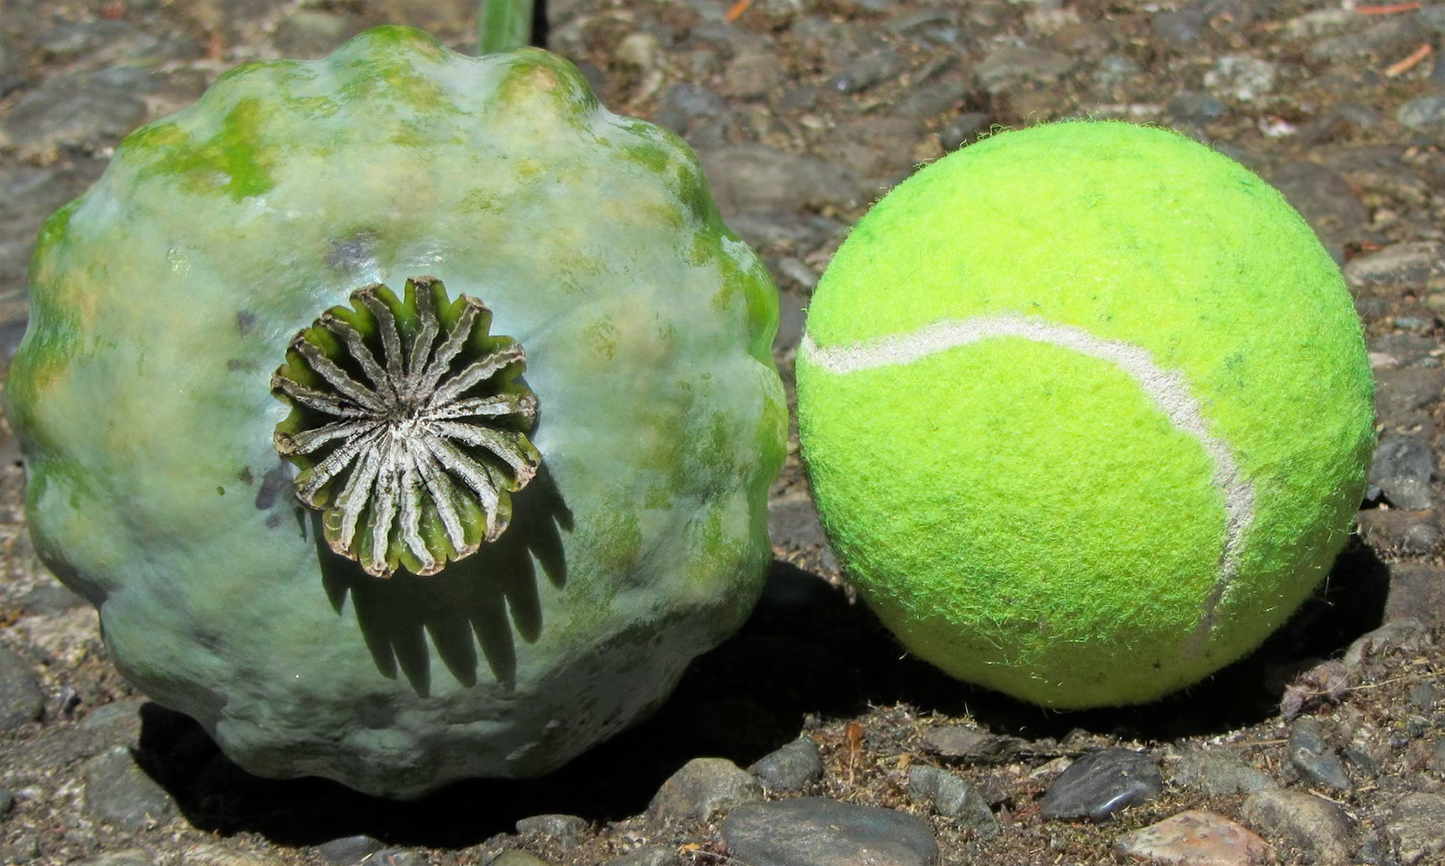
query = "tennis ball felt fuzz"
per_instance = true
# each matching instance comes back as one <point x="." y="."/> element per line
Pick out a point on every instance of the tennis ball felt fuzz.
<point x="1087" y="412"/>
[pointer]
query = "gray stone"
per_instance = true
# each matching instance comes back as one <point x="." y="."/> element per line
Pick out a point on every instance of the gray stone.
<point x="799" y="272"/>
<point x="702" y="790"/>
<point x="1194" y="108"/>
<point x="1181" y="27"/>
<point x="813" y="831"/>
<point x="974" y="744"/>
<point x="118" y="792"/>
<point x="1101" y="783"/>
<point x="752" y="75"/>
<point x="21" y="700"/>
<point x="1400" y="349"/>
<point x="962" y="129"/>
<point x="933" y="98"/>
<point x="686" y="107"/>
<point x="1312" y="756"/>
<point x="1215" y="773"/>
<point x="791" y="768"/>
<point x="128" y="857"/>
<point x="7" y="802"/>
<point x="1422" y="113"/>
<point x="397" y="857"/>
<point x="1405" y="397"/>
<point x="349" y="850"/>
<point x="82" y="39"/>
<point x="953" y="797"/>
<point x="1326" y="200"/>
<point x="756" y="177"/>
<point x="1403" y="467"/>
<point x="1417" y="590"/>
<point x="866" y="70"/>
<point x="117" y="723"/>
<point x="876" y="146"/>
<point x="1393" y="37"/>
<point x="78" y="110"/>
<point x="1398" y="266"/>
<point x="1313" y="826"/>
<point x="1009" y="67"/>
<point x="1416" y="828"/>
<point x="1401" y="636"/>
<point x="1425" y="695"/>
<point x="648" y="855"/>
<point x="1392" y="531"/>
<point x="1241" y="77"/>
<point x="794" y="525"/>
<point x="565" y="830"/>
<point x="51" y="599"/>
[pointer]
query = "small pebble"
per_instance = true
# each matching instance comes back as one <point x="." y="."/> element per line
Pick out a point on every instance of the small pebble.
<point x="1298" y="820"/>
<point x="791" y="768"/>
<point x="1422" y="112"/>
<point x="1402" y="636"/>
<point x="217" y="855"/>
<point x="702" y="790"/>
<point x="119" y="792"/>
<point x="814" y="831"/>
<point x="127" y="857"/>
<point x="1180" y="27"/>
<point x="21" y="700"/>
<point x="967" y="741"/>
<point x="7" y="802"/>
<point x="1403" y="467"/>
<point x="1403" y="533"/>
<point x="1241" y="77"/>
<point x="1216" y="773"/>
<point x="1194" y="109"/>
<point x="1195" y="838"/>
<point x="1326" y="200"/>
<point x="647" y="855"/>
<point x="1101" y="783"/>
<point x="953" y="797"/>
<point x="1417" y="589"/>
<point x="751" y="178"/>
<point x="1416" y="828"/>
<point x="518" y="857"/>
<point x="1397" y="266"/>
<point x="349" y="850"/>
<point x="565" y="830"/>
<point x="752" y="75"/>
<point x="1427" y="694"/>
<point x="1404" y="398"/>
<point x="1309" y="754"/>
<point x="1009" y="67"/>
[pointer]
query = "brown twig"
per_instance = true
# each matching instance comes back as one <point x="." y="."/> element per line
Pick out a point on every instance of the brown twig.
<point x="1399" y="68"/>
<point x="737" y="10"/>
<point x="1388" y="8"/>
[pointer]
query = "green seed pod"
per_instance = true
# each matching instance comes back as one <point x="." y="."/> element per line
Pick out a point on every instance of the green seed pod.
<point x="407" y="415"/>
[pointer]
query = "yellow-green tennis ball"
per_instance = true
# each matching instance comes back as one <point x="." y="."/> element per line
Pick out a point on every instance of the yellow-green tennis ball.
<point x="1087" y="412"/>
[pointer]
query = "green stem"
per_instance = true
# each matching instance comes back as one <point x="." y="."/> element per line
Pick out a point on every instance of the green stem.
<point x="504" y="25"/>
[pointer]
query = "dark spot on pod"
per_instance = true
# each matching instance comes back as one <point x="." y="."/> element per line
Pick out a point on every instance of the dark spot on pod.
<point x="245" y="320"/>
<point x="274" y="483"/>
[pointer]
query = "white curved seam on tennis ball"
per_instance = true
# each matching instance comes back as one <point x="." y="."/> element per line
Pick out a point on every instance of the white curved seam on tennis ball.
<point x="1166" y="389"/>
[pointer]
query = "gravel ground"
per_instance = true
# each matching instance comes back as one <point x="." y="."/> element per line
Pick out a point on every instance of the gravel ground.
<point x="1324" y="747"/>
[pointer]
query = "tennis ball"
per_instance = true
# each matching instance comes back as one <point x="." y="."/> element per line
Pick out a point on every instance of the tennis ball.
<point x="1087" y="412"/>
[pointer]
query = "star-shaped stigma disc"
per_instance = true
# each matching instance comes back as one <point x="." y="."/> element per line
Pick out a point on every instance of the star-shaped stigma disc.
<point x="409" y="424"/>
